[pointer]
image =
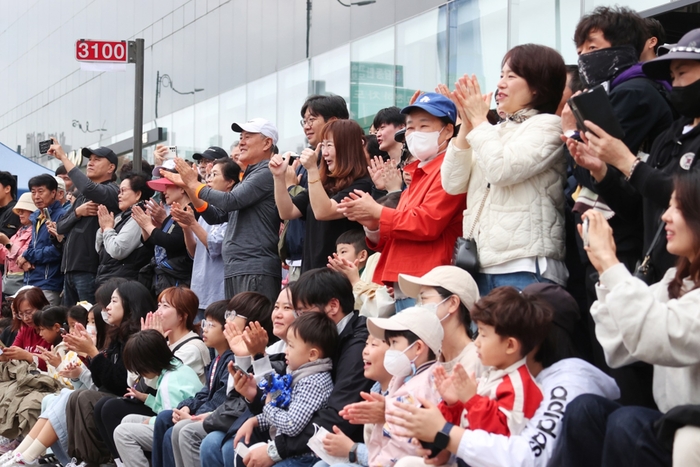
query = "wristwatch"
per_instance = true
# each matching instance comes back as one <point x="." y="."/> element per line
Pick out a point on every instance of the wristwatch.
<point x="272" y="452"/>
<point x="442" y="439"/>
<point x="352" y="455"/>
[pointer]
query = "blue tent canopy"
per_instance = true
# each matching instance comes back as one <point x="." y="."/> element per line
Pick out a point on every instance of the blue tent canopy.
<point x="20" y="166"/>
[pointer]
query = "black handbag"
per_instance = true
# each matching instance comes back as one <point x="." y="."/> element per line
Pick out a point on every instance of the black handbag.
<point x="465" y="255"/>
<point x="645" y="269"/>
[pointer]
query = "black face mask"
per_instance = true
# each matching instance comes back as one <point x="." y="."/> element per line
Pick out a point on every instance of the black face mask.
<point x="603" y="65"/>
<point x="686" y="99"/>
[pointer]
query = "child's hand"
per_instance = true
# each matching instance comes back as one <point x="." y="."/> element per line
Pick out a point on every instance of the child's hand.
<point x="445" y="386"/>
<point x="49" y="357"/>
<point x="255" y="338"/>
<point x="244" y="385"/>
<point x="465" y="384"/>
<point x="200" y="418"/>
<point x="371" y="410"/>
<point x="133" y="393"/>
<point x="342" y="265"/>
<point x="245" y="431"/>
<point x="337" y="443"/>
<point x="235" y="340"/>
<point x="268" y="398"/>
<point x="71" y="371"/>
<point x="181" y="414"/>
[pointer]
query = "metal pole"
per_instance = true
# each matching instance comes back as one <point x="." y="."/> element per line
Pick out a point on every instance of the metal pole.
<point x="138" y="105"/>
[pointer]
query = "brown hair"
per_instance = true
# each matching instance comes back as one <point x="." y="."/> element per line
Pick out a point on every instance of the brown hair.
<point x="184" y="301"/>
<point x="687" y="190"/>
<point x="527" y="318"/>
<point x="350" y="158"/>
<point x="544" y="71"/>
<point x="36" y="299"/>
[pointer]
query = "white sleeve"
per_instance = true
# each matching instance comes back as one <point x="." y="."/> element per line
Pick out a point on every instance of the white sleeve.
<point x="122" y="244"/>
<point x="650" y="327"/>
<point x="456" y="169"/>
<point x="537" y="148"/>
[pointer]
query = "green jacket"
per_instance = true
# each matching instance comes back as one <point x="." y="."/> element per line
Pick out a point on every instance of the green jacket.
<point x="173" y="387"/>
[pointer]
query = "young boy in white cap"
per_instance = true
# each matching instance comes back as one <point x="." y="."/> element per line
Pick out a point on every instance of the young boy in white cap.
<point x="415" y="341"/>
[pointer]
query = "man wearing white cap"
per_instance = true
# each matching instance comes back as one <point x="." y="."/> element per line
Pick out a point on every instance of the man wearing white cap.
<point x="251" y="260"/>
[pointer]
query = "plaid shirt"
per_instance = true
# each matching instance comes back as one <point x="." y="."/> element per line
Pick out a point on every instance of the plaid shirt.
<point x="309" y="395"/>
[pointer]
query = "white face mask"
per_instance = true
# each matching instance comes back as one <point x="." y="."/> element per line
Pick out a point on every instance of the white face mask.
<point x="91" y="329"/>
<point x="424" y="145"/>
<point x="105" y="317"/>
<point x="398" y="364"/>
<point x="433" y="307"/>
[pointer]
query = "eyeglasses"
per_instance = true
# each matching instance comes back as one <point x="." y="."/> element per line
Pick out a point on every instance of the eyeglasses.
<point x="124" y="190"/>
<point x="230" y="315"/>
<point x="25" y="314"/>
<point x="207" y="324"/>
<point x="309" y="121"/>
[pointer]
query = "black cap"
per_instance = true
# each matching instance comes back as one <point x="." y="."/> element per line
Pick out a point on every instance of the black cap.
<point x="688" y="48"/>
<point x="565" y="308"/>
<point x="101" y="152"/>
<point x="213" y="153"/>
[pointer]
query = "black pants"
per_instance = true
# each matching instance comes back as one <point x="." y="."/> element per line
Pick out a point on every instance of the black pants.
<point x="109" y="413"/>
<point x="599" y="432"/>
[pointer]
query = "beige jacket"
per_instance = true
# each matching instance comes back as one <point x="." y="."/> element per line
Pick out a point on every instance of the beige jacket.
<point x="523" y="215"/>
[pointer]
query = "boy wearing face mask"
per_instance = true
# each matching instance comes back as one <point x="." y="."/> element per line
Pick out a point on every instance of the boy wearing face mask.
<point x="415" y="339"/>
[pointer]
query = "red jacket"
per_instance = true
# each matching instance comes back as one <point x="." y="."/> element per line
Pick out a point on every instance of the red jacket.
<point x="420" y="233"/>
<point x="29" y="340"/>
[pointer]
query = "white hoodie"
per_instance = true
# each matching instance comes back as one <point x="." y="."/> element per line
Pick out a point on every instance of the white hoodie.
<point x="561" y="383"/>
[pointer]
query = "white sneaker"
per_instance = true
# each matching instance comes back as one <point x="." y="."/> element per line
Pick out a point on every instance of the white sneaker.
<point x="17" y="460"/>
<point x="6" y="457"/>
<point x="74" y="463"/>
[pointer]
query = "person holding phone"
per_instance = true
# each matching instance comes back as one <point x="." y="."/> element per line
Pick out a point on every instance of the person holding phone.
<point x="41" y="261"/>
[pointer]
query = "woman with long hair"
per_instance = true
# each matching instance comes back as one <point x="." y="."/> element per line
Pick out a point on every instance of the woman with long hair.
<point x="130" y="302"/>
<point x="341" y="170"/>
<point x="655" y="324"/>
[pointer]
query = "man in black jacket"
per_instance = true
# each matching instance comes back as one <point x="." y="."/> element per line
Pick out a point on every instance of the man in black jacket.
<point x="80" y="224"/>
<point x="609" y="42"/>
<point x="330" y="292"/>
<point x="9" y="221"/>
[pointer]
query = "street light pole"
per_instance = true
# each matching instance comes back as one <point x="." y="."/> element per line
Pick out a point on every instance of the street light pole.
<point x="138" y="103"/>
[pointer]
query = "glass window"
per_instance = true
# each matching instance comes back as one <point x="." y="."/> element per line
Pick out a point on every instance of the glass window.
<point x="546" y="22"/>
<point x="421" y="54"/>
<point x="182" y="132"/>
<point x="262" y="98"/>
<point x="206" y="124"/>
<point x="232" y="106"/>
<point x="330" y="72"/>
<point x="637" y="5"/>
<point x="293" y="87"/>
<point x="373" y="76"/>
<point x="478" y="40"/>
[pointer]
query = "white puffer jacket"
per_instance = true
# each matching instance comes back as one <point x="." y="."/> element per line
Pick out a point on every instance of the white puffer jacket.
<point x="524" y="212"/>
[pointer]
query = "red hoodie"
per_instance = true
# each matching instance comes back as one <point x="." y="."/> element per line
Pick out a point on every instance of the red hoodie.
<point x="29" y="339"/>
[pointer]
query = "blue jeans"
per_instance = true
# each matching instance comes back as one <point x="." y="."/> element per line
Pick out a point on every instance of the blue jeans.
<point x="213" y="454"/>
<point x="404" y="303"/>
<point x="162" y="449"/>
<point x="598" y="431"/>
<point x="78" y="286"/>
<point x="519" y="280"/>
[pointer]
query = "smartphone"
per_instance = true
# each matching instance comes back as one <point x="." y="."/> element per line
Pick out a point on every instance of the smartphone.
<point x="172" y="153"/>
<point x="46" y="214"/>
<point x="584" y="232"/>
<point x="238" y="368"/>
<point x="595" y="106"/>
<point x="292" y="157"/>
<point x="44" y="146"/>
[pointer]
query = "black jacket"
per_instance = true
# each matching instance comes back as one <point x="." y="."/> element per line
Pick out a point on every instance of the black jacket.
<point x="79" y="252"/>
<point x="128" y="267"/>
<point x="108" y="371"/>
<point x="644" y="114"/>
<point x="174" y="268"/>
<point x="653" y="181"/>
<point x="9" y="221"/>
<point x="349" y="380"/>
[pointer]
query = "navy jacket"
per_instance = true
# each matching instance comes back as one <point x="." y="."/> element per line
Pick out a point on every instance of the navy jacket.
<point x="209" y="398"/>
<point x="42" y="253"/>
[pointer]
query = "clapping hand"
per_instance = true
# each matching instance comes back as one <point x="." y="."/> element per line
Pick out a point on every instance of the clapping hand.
<point x="255" y="338"/>
<point x="49" y="357"/>
<point x="235" y="340"/>
<point x="154" y="321"/>
<point x="105" y="218"/>
<point x="350" y="270"/>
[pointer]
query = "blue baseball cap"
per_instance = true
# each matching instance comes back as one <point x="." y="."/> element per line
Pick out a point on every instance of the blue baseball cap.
<point x="435" y="104"/>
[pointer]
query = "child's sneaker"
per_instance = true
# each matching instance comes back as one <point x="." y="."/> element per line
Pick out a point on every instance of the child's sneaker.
<point x="17" y="460"/>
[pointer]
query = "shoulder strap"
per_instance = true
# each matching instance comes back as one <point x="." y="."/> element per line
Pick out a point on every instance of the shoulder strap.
<point x="478" y="213"/>
<point x="179" y="346"/>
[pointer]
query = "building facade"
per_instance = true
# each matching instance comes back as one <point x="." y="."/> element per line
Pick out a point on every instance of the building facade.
<point x="209" y="63"/>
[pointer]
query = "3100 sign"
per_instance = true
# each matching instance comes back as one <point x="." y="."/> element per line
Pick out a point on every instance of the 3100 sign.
<point x="101" y="51"/>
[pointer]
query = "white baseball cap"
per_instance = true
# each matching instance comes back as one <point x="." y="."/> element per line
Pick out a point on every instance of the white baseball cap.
<point x="258" y="125"/>
<point x="456" y="280"/>
<point x="424" y="324"/>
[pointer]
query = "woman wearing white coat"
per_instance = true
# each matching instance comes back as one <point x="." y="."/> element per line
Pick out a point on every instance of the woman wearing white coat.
<point x="515" y="169"/>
